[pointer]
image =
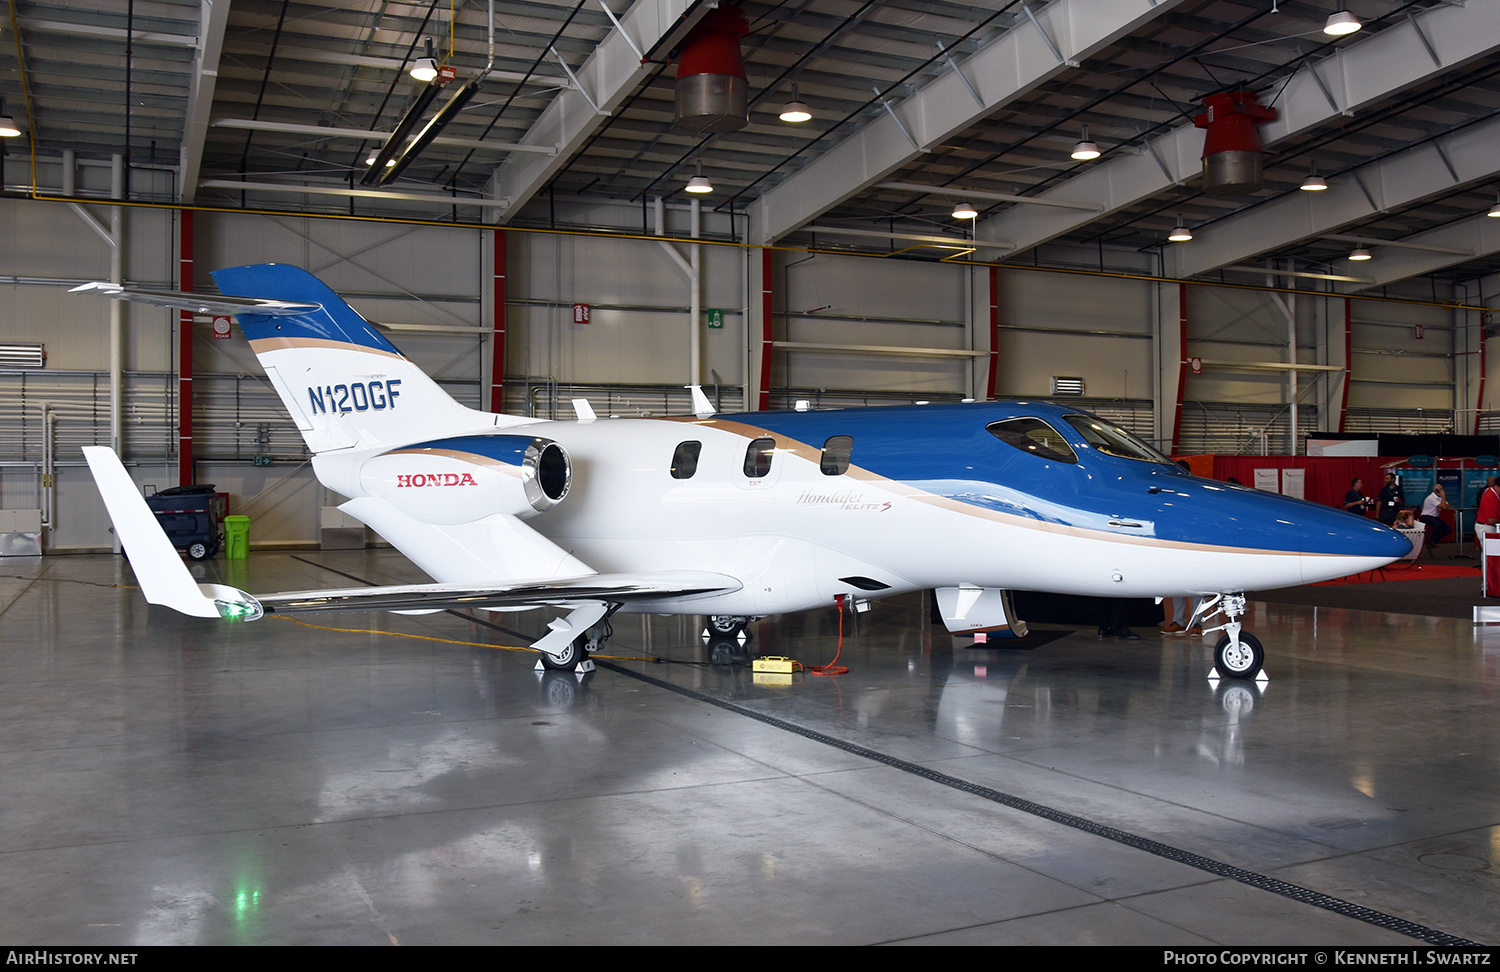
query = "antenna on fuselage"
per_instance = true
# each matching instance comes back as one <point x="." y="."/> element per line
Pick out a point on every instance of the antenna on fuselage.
<point x="584" y="411"/>
<point x="702" y="407"/>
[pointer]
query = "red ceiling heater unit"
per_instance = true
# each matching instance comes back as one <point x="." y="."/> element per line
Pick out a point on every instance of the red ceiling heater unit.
<point x="1231" y="146"/>
<point x="712" y="93"/>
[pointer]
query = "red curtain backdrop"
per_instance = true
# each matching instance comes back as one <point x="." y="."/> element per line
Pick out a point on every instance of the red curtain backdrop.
<point x="1328" y="478"/>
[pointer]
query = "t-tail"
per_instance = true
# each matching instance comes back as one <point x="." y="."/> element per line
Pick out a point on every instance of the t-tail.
<point x="343" y="383"/>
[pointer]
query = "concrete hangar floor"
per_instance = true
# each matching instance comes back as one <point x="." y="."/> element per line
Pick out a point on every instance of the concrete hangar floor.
<point x="169" y="780"/>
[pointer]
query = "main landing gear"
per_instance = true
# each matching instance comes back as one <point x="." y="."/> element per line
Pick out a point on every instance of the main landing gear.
<point x="567" y="646"/>
<point x="1239" y="653"/>
<point x="726" y="626"/>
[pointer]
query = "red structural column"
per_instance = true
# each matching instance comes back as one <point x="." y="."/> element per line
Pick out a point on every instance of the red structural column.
<point x="1348" y="359"/>
<point x="766" y="337"/>
<point x="497" y="346"/>
<point x="1182" y="366"/>
<point x="185" y="351"/>
<point x="989" y="387"/>
<point x="1479" y="397"/>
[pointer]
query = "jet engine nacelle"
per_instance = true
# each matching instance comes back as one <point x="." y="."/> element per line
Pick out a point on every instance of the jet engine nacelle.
<point x="462" y="478"/>
<point x="966" y="609"/>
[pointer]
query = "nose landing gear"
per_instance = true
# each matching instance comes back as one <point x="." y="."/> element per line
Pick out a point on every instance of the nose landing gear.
<point x="1238" y="653"/>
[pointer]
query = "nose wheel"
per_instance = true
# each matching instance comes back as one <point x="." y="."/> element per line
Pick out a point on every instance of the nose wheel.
<point x="1239" y="658"/>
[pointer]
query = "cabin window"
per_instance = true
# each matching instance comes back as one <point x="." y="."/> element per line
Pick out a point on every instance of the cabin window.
<point x="836" y="453"/>
<point x="685" y="459"/>
<point x="1113" y="440"/>
<point x="1033" y="436"/>
<point x="758" y="458"/>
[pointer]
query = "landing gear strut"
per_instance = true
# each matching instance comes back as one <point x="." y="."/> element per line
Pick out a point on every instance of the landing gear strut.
<point x="1239" y="653"/>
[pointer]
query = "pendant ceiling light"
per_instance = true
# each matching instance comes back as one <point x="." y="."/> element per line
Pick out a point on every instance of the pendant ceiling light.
<point x="425" y="68"/>
<point x="795" y="111"/>
<point x="1180" y="233"/>
<point x="965" y="211"/>
<point x="1341" y="23"/>
<point x="699" y="183"/>
<point x="1085" y="150"/>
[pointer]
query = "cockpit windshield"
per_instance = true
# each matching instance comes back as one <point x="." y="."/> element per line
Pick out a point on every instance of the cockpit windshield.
<point x="1033" y="436"/>
<point x="1113" y="440"/>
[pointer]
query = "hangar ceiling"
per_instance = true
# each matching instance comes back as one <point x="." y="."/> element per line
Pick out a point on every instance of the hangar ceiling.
<point x="917" y="105"/>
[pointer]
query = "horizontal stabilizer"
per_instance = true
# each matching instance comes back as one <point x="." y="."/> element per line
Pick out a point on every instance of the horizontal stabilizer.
<point x="198" y="303"/>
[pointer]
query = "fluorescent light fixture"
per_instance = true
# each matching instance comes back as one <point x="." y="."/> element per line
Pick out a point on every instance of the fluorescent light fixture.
<point x="964" y="211"/>
<point x="426" y="67"/>
<point x="699" y="183"/>
<point x="1085" y="149"/>
<point x="795" y="111"/>
<point x="1341" y="23"/>
<point x="1180" y="233"/>
<point x="1359" y="253"/>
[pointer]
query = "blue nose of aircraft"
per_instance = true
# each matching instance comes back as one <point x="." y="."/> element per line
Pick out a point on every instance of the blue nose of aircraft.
<point x="1332" y="540"/>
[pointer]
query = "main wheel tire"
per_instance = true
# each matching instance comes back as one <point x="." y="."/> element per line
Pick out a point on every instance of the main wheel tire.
<point x="198" y="550"/>
<point x="726" y="625"/>
<point x="1242" y="663"/>
<point x="575" y="653"/>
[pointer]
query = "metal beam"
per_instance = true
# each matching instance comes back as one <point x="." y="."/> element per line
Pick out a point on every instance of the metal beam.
<point x="1006" y="69"/>
<point x="365" y="135"/>
<point x="954" y="192"/>
<point x="424" y="197"/>
<point x="957" y="242"/>
<point x="1361" y="73"/>
<point x="212" y="18"/>
<point x="1389" y="184"/>
<point x="612" y="72"/>
<point x="1478" y="236"/>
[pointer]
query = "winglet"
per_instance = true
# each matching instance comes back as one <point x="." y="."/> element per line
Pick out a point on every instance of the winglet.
<point x="584" y="411"/>
<point x="702" y="407"/>
<point x="163" y="577"/>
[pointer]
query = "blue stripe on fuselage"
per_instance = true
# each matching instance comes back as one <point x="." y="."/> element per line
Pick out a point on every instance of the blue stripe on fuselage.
<point x="509" y="449"/>
<point x="946" y="450"/>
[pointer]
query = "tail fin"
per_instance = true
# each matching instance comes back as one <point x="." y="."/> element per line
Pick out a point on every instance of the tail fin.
<point x="344" y="384"/>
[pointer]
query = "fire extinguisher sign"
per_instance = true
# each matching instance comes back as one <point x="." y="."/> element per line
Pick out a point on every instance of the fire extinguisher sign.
<point x="580" y="313"/>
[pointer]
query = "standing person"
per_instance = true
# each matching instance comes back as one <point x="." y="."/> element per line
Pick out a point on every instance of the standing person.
<point x="1390" y="500"/>
<point x="1489" y="510"/>
<point x="1355" y="501"/>
<point x="1435" y="503"/>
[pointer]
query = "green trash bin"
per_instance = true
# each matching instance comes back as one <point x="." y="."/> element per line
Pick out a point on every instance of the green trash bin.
<point x="236" y="537"/>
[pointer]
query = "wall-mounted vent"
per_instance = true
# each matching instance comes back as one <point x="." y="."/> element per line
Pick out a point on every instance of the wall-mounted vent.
<point x="22" y="356"/>
<point x="1067" y="386"/>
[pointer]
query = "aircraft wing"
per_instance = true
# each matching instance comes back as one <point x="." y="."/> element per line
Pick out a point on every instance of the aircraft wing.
<point x="198" y="303"/>
<point x="165" y="580"/>
<point x="606" y="588"/>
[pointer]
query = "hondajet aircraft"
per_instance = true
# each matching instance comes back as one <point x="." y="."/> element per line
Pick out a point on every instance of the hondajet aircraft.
<point x="732" y="516"/>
